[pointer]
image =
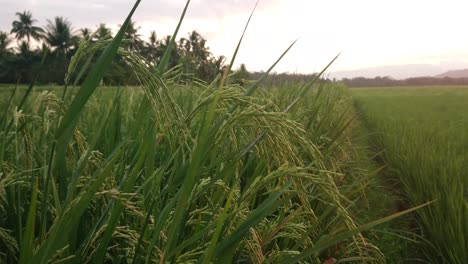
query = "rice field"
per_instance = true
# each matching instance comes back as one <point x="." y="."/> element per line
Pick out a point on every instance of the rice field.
<point x="422" y="133"/>
<point x="179" y="170"/>
<point x="205" y="174"/>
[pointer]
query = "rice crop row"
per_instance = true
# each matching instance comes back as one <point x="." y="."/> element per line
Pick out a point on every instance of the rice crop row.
<point x="423" y="135"/>
<point x="176" y="171"/>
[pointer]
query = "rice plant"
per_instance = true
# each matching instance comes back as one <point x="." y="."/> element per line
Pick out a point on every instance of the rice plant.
<point x="176" y="172"/>
<point x="422" y="132"/>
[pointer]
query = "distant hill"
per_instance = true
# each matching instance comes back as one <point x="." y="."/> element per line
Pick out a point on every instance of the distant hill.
<point x="403" y="71"/>
<point x="454" y="74"/>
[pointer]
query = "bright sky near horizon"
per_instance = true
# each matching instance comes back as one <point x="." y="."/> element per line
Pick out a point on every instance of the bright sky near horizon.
<point x="367" y="32"/>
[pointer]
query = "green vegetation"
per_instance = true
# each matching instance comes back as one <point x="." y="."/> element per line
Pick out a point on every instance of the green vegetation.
<point x="177" y="171"/>
<point x="378" y="81"/>
<point x="197" y="163"/>
<point x="423" y="135"/>
<point x="153" y="187"/>
<point x="59" y="41"/>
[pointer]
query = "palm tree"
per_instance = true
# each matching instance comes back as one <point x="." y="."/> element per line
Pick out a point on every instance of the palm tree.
<point x="60" y="35"/>
<point x="85" y="33"/>
<point x="5" y="41"/>
<point x="24" y="50"/>
<point x="195" y="46"/>
<point x="150" y="50"/>
<point x="8" y="67"/>
<point x="25" y="61"/>
<point x="132" y="34"/>
<point x="197" y="57"/>
<point x="219" y="63"/>
<point x="61" y="39"/>
<point x="24" y="27"/>
<point x="41" y="50"/>
<point x="102" y="32"/>
<point x="174" y="57"/>
<point x="153" y="40"/>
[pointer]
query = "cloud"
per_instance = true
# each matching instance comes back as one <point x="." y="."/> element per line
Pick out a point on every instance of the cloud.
<point x="368" y="32"/>
<point x="89" y="12"/>
<point x="159" y="15"/>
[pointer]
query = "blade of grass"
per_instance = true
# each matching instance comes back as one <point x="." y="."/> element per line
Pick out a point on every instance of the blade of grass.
<point x="118" y="207"/>
<point x="240" y="40"/>
<point x="336" y="238"/>
<point x="309" y="85"/>
<point x="29" y="90"/>
<point x="229" y="244"/>
<point x="7" y="107"/>
<point x="69" y="121"/>
<point x="142" y="114"/>
<point x="167" y="53"/>
<point x="219" y="225"/>
<point x="255" y="85"/>
<point x="28" y="236"/>
<point x="58" y="231"/>
<point x="197" y="158"/>
<point x="293" y="103"/>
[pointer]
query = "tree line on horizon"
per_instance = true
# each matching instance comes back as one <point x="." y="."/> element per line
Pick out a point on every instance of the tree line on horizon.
<point x="58" y="39"/>
<point x="57" y="42"/>
<point x="413" y="81"/>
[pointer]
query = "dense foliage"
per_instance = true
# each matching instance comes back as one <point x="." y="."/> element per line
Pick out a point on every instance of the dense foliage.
<point x="422" y="137"/>
<point x="226" y="170"/>
<point x="178" y="173"/>
<point x="58" y="41"/>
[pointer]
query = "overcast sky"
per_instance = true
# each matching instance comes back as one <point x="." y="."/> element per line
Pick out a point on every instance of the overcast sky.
<point x="367" y="32"/>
